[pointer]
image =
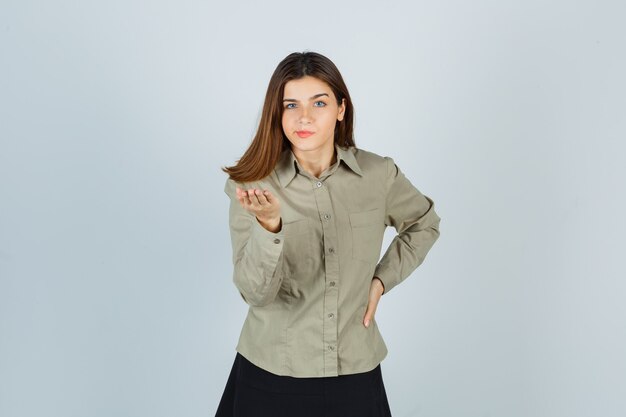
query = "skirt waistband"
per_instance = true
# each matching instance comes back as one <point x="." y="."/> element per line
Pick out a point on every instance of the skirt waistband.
<point x="259" y="378"/>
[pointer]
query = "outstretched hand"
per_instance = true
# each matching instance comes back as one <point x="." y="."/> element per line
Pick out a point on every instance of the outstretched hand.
<point x="376" y="291"/>
<point x="263" y="205"/>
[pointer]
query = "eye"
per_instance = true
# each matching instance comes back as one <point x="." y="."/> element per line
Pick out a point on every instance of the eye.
<point x="289" y="104"/>
<point x="324" y="104"/>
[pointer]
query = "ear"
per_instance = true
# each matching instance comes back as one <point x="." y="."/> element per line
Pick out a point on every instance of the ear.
<point x="342" y="109"/>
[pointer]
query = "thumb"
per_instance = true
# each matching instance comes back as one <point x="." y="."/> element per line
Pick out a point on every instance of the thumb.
<point x="368" y="315"/>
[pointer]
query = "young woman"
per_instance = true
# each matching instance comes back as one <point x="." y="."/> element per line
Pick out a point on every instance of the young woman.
<point x="308" y="211"/>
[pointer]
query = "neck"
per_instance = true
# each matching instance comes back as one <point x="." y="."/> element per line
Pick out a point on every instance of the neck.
<point x="316" y="163"/>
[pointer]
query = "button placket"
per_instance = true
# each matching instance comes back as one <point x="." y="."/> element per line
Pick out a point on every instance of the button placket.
<point x="331" y="270"/>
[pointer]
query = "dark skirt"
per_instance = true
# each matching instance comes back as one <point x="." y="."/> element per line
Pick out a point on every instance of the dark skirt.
<point x="254" y="392"/>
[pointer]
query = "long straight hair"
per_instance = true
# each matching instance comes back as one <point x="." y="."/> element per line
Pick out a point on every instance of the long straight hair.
<point x="264" y="151"/>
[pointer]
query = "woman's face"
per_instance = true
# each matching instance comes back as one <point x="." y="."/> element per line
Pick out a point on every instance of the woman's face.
<point x="310" y="105"/>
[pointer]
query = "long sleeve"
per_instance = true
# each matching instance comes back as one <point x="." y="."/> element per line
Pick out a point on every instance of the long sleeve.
<point x="413" y="216"/>
<point x="256" y="253"/>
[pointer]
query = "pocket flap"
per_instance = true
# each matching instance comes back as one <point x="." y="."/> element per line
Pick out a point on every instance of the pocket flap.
<point x="297" y="227"/>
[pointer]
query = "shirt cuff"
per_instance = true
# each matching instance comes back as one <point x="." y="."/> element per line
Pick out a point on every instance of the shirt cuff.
<point x="268" y="245"/>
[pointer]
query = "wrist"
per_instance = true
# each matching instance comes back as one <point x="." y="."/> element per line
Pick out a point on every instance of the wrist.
<point x="272" y="225"/>
<point x="381" y="284"/>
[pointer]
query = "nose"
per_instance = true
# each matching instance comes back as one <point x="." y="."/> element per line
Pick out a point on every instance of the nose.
<point x="304" y="116"/>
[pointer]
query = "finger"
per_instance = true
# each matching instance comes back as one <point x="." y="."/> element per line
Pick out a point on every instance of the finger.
<point x="372" y="305"/>
<point x="249" y="197"/>
<point x="241" y="197"/>
<point x="376" y="291"/>
<point x="260" y="195"/>
<point x="253" y="198"/>
<point x="374" y="294"/>
<point x="369" y="314"/>
<point x="248" y="201"/>
<point x="244" y="196"/>
<point x="269" y="196"/>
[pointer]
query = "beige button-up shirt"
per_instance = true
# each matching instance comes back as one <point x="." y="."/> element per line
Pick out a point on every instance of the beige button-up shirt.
<point x="307" y="286"/>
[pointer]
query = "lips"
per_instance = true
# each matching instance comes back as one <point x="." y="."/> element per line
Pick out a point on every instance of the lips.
<point x="304" y="133"/>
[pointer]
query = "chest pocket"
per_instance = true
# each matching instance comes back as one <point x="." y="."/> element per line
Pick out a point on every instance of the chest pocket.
<point x="298" y="245"/>
<point x="365" y="228"/>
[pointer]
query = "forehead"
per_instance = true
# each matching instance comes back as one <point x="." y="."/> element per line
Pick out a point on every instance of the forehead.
<point x="305" y="87"/>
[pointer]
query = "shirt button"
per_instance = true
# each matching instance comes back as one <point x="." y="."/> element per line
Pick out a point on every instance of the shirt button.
<point x="276" y="240"/>
<point x="319" y="184"/>
<point x="327" y="216"/>
<point x="331" y="315"/>
<point x="332" y="283"/>
<point x="331" y="347"/>
<point x="331" y="250"/>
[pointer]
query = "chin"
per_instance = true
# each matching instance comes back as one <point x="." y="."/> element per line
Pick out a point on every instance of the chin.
<point x="305" y="145"/>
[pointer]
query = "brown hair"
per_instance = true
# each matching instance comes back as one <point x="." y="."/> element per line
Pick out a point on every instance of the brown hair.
<point x="261" y="157"/>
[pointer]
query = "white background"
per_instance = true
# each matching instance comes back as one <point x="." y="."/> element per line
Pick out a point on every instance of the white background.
<point x="116" y="296"/>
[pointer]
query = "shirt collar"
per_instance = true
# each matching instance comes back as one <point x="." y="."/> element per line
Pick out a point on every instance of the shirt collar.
<point x="286" y="167"/>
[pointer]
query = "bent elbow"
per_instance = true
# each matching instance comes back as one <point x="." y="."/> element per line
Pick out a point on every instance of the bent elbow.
<point x="254" y="296"/>
<point x="256" y="300"/>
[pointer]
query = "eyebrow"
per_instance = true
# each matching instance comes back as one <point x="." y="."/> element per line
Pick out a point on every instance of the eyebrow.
<point x="315" y="96"/>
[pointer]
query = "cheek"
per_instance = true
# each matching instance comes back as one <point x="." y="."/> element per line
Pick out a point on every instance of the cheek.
<point x="287" y="118"/>
<point x="329" y="121"/>
<point x="288" y="125"/>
